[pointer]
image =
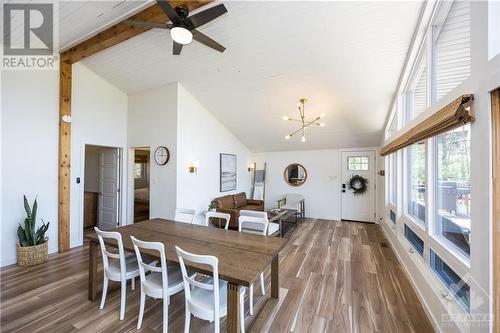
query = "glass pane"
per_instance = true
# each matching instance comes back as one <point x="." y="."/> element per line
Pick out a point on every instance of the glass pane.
<point x="418" y="88"/>
<point x="393" y="216"/>
<point x="455" y="284"/>
<point x="393" y="178"/>
<point x="453" y="60"/>
<point x="453" y="188"/>
<point x="414" y="240"/>
<point x="416" y="181"/>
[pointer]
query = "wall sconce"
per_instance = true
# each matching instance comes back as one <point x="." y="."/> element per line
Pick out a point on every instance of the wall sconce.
<point x="193" y="167"/>
<point x="251" y="167"/>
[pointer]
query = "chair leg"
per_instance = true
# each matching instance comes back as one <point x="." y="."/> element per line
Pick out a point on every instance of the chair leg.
<point x="104" y="292"/>
<point x="217" y="325"/>
<point x="262" y="287"/>
<point x="242" y="313"/>
<point x="123" y="300"/>
<point x="165" y="314"/>
<point x="141" y="309"/>
<point x="133" y="283"/>
<point x="250" y="299"/>
<point x="187" y="319"/>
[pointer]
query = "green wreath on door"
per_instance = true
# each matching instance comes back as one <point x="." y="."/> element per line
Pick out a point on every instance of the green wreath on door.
<point x="358" y="185"/>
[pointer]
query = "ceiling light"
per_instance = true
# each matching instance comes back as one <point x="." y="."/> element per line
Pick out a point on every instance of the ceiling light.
<point x="305" y="123"/>
<point x="322" y="115"/>
<point x="181" y="35"/>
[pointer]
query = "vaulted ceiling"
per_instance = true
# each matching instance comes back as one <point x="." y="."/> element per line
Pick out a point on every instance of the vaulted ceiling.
<point x="345" y="57"/>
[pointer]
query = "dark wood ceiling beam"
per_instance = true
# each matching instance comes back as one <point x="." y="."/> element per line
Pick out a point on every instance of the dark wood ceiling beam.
<point x="121" y="31"/>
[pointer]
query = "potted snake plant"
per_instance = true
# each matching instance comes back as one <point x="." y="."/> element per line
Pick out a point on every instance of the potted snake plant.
<point x="32" y="247"/>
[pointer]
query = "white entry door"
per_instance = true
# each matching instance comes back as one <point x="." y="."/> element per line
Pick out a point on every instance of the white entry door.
<point x="359" y="207"/>
<point x="108" y="189"/>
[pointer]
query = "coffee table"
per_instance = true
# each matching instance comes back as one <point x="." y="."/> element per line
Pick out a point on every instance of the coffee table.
<point x="281" y="217"/>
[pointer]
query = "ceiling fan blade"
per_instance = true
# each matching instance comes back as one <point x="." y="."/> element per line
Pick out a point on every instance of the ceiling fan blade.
<point x="146" y="24"/>
<point x="207" y="15"/>
<point x="177" y="48"/>
<point x="205" y="40"/>
<point x="169" y="11"/>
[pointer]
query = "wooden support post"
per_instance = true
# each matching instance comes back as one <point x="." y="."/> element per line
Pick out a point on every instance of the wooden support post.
<point x="107" y="38"/>
<point x="64" y="154"/>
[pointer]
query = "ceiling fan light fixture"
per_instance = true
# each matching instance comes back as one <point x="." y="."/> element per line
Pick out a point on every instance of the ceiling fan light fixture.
<point x="181" y="35"/>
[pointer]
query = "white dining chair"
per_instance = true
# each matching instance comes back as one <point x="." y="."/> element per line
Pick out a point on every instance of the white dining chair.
<point x="185" y="215"/>
<point x="272" y="228"/>
<point x="162" y="282"/>
<point x="254" y="225"/>
<point x="217" y="215"/>
<point x="117" y="267"/>
<point x="206" y="299"/>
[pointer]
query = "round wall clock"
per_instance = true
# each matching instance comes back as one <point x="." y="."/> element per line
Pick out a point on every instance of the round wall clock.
<point x="162" y="155"/>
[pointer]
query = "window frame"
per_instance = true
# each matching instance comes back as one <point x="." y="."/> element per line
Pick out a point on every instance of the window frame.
<point x="400" y="110"/>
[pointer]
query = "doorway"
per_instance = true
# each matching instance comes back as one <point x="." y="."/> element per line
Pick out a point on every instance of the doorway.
<point x="102" y="195"/>
<point x="358" y="206"/>
<point x="141" y="173"/>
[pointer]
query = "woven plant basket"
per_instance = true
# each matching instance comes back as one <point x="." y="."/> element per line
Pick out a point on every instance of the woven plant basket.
<point x="32" y="255"/>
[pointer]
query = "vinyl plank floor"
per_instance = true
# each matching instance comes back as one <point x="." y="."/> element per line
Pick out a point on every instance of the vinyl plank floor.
<point x="334" y="277"/>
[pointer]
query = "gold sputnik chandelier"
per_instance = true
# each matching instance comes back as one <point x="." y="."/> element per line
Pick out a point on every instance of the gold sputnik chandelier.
<point x="305" y="123"/>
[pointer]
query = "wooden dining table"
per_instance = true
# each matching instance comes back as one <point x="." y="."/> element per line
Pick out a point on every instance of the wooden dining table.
<point x="242" y="257"/>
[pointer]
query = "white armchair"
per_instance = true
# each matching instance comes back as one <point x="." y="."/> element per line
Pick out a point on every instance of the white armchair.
<point x="295" y="202"/>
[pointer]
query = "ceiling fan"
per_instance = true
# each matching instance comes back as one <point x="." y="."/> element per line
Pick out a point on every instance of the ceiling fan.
<point x="183" y="28"/>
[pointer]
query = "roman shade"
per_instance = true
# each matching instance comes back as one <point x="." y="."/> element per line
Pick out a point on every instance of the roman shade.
<point x="454" y="115"/>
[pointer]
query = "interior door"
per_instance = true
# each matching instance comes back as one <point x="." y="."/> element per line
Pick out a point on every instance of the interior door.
<point x="359" y="207"/>
<point x="108" y="189"/>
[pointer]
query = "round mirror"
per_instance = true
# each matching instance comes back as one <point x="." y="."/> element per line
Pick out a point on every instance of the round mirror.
<point x="295" y="174"/>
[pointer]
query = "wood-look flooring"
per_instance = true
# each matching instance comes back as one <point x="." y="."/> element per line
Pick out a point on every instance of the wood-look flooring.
<point x="334" y="277"/>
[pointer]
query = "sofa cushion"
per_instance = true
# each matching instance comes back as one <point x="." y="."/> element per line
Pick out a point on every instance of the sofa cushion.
<point x="240" y="200"/>
<point x="225" y="202"/>
<point x="252" y="207"/>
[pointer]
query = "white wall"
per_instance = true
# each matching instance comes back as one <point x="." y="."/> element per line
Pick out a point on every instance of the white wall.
<point x="99" y="117"/>
<point x="322" y="187"/>
<point x="321" y="190"/>
<point x="29" y="129"/>
<point x="202" y="138"/>
<point x="152" y="122"/>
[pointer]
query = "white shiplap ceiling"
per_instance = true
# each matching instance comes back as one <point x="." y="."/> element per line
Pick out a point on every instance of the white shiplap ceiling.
<point x="345" y="57"/>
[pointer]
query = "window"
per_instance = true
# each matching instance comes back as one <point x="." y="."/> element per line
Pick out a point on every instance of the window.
<point x="357" y="163"/>
<point x="455" y="284"/>
<point x="393" y="126"/>
<point x="392" y="216"/>
<point x="415" y="166"/>
<point x="452" y="49"/>
<point x="393" y="172"/>
<point x="453" y="187"/>
<point x="417" y="90"/>
<point x="415" y="241"/>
